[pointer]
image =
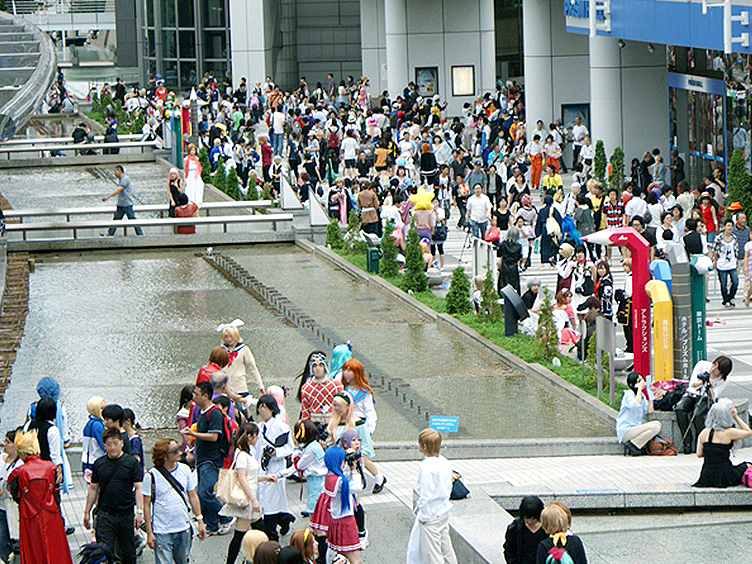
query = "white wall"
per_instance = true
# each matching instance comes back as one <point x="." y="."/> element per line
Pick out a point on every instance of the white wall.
<point x="373" y="44"/>
<point x="251" y="52"/>
<point x="556" y="62"/>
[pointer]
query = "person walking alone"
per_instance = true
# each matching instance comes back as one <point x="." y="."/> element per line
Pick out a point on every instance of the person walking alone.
<point x="124" y="193"/>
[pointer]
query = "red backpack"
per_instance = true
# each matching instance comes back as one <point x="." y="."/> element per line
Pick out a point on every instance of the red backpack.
<point x="333" y="140"/>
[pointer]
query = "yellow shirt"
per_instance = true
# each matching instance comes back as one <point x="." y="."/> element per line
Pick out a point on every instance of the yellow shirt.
<point x="551" y="181"/>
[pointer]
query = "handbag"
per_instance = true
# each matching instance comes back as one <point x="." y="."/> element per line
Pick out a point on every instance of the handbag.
<point x="492" y="235"/>
<point x="440" y="233"/>
<point x="660" y="446"/>
<point x="229" y="491"/>
<point x="459" y="490"/>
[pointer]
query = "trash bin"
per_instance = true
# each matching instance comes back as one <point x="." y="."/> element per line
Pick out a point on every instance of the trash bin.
<point x="372" y="260"/>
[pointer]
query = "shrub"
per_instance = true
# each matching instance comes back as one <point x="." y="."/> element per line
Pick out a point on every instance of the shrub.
<point x="352" y="236"/>
<point x="203" y="158"/>
<point x="334" y="235"/>
<point x="599" y="162"/>
<point x="458" y="296"/>
<point x="415" y="267"/>
<point x="252" y="194"/>
<point x="548" y="339"/>
<point x="490" y="310"/>
<point x="738" y="181"/>
<point x="219" y="178"/>
<point x="389" y="266"/>
<point x="232" y="183"/>
<point x="616" y="178"/>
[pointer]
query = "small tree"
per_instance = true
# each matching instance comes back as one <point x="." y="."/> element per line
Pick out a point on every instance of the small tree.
<point x="415" y="267"/>
<point x="458" y="296"/>
<point x="389" y="266"/>
<point x="219" y="178"/>
<point x="232" y="183"/>
<point x="352" y="237"/>
<point x="266" y="191"/>
<point x="334" y="238"/>
<point x="738" y="182"/>
<point x="252" y="194"/>
<point x="203" y="158"/>
<point x="548" y="338"/>
<point x="616" y="178"/>
<point x="599" y="162"/>
<point x="490" y="310"/>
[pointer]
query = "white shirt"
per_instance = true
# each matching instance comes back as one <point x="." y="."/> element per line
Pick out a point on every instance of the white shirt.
<point x="578" y="133"/>
<point x="636" y="206"/>
<point x="719" y="384"/>
<point x="278" y="122"/>
<point x="350" y="148"/>
<point x="169" y="513"/>
<point x="587" y="152"/>
<point x="434" y="488"/>
<point x="478" y="207"/>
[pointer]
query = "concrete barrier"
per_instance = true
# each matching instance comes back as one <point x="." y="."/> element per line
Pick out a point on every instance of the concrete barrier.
<point x="670" y="427"/>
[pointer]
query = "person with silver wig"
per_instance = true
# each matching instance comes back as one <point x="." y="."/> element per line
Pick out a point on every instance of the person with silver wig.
<point x="723" y="426"/>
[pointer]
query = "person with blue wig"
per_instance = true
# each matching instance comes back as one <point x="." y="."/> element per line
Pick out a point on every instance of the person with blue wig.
<point x="334" y="515"/>
<point x="48" y="388"/>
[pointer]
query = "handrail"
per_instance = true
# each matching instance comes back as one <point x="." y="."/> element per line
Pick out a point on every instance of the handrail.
<point x="81" y="147"/>
<point x="31" y="7"/>
<point x="50" y="140"/>
<point x="17" y="111"/>
<point x="145" y="208"/>
<point x="75" y="227"/>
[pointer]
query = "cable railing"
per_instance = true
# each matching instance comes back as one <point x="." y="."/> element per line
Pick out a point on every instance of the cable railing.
<point x="27" y="7"/>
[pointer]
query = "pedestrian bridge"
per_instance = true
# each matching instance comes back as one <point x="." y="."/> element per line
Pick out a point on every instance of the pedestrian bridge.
<point x="83" y="228"/>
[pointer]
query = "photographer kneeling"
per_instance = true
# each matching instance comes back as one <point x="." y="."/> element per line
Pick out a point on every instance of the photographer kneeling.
<point x="630" y="430"/>
<point x="705" y="376"/>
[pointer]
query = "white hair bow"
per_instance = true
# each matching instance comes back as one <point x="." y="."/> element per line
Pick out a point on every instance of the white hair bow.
<point x="234" y="323"/>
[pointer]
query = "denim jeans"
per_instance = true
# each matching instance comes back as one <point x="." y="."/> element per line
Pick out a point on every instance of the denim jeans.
<point x="728" y="293"/>
<point x="120" y="212"/>
<point x="278" y="142"/>
<point x="478" y="228"/>
<point x="172" y="548"/>
<point x="208" y="474"/>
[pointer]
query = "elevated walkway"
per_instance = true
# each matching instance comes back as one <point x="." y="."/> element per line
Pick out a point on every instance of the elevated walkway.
<point x="67" y="15"/>
<point x="75" y="229"/>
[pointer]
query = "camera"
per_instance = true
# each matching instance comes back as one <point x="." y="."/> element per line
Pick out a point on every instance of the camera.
<point x="704" y="377"/>
<point x="352" y="457"/>
<point x="266" y="457"/>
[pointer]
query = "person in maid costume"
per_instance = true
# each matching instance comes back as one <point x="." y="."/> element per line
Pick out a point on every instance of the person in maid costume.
<point x="272" y="448"/>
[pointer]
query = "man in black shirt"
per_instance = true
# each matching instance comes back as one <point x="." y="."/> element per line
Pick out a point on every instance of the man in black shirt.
<point x="638" y="224"/>
<point x="693" y="239"/>
<point x="114" y="417"/>
<point x="114" y="480"/>
<point x="209" y="427"/>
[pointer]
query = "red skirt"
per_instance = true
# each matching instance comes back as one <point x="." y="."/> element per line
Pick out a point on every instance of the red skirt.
<point x="343" y="535"/>
<point x="321" y="518"/>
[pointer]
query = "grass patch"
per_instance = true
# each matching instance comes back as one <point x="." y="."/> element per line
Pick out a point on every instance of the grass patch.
<point x="520" y="345"/>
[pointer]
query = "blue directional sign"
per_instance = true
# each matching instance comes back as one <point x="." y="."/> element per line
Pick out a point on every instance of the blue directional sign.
<point x="444" y="424"/>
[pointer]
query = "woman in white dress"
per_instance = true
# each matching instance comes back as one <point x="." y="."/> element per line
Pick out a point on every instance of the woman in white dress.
<point x="194" y="186"/>
<point x="246" y="466"/>
<point x="273" y="447"/>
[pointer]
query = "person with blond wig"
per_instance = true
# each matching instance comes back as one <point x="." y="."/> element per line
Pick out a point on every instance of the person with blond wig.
<point x="343" y="418"/>
<point x="42" y="537"/>
<point x="92" y="446"/>
<point x="555" y="521"/>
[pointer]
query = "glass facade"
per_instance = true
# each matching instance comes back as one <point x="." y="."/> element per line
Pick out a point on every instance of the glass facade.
<point x="183" y="39"/>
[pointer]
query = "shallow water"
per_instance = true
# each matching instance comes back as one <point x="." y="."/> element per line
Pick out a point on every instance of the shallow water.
<point x="135" y="327"/>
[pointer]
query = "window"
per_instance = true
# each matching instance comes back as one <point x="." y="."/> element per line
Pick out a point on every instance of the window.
<point x="187" y="44"/>
<point x="185" y="14"/>
<point x="168" y="13"/>
<point x="188" y="74"/>
<point x="214" y="13"/>
<point x="169" y="46"/>
<point x="215" y="45"/>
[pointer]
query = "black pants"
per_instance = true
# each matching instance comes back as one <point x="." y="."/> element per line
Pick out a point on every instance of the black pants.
<point x="687" y="407"/>
<point x="116" y="531"/>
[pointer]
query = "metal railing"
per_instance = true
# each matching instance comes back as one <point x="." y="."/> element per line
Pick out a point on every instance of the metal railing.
<point x="72" y="230"/>
<point x="161" y="209"/>
<point x="16" y="112"/>
<point x="40" y="8"/>
<point x="483" y="258"/>
<point x="82" y="147"/>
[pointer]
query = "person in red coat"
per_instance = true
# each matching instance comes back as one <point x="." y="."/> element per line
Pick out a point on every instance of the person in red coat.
<point x="41" y="533"/>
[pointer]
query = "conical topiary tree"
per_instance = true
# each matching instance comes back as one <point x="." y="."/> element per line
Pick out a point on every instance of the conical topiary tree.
<point x="252" y="194"/>
<point x="616" y="178"/>
<point x="389" y="266"/>
<point x="415" y="267"/>
<point x="738" y="183"/>
<point x="203" y="158"/>
<point x="548" y="338"/>
<point x="599" y="162"/>
<point x="490" y="310"/>
<point x="458" y="296"/>
<point x="334" y="238"/>
<point x="231" y="181"/>
<point x="219" y="178"/>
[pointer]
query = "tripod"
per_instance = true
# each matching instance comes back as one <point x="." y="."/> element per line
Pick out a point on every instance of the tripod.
<point x="708" y="399"/>
<point x="464" y="246"/>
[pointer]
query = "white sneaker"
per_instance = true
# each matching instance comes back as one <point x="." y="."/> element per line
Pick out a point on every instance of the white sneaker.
<point x="225" y="528"/>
